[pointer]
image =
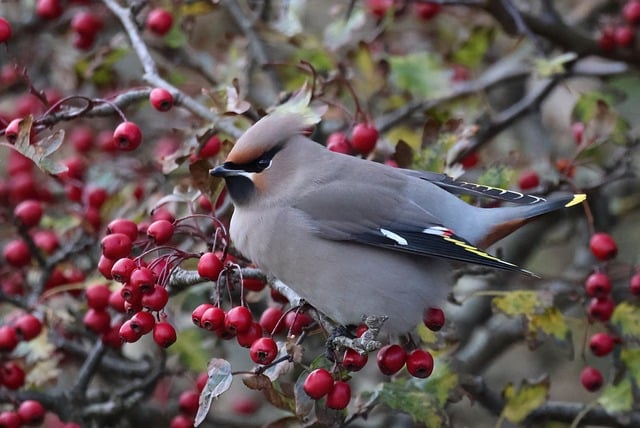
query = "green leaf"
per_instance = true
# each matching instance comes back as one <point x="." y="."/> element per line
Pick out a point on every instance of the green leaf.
<point x="442" y="384"/>
<point x="496" y="176"/>
<point x="626" y="317"/>
<point x="520" y="402"/>
<point x="631" y="359"/>
<point x="422" y="407"/>
<point x="548" y="67"/>
<point x="472" y="51"/>
<point x="522" y="302"/>
<point x="420" y="74"/>
<point x="617" y="398"/>
<point x="191" y="356"/>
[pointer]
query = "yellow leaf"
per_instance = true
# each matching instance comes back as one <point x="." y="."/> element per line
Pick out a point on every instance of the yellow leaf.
<point x="550" y="323"/>
<point x="631" y="359"/>
<point x="627" y="318"/>
<point x="520" y="402"/>
<point x="514" y="303"/>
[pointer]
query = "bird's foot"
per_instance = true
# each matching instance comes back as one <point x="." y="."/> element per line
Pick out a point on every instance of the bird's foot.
<point x="367" y="342"/>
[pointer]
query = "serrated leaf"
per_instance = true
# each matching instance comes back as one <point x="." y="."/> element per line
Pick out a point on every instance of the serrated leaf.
<point x="521" y="302"/>
<point x="550" y="323"/>
<point x="626" y="317"/>
<point x="220" y="378"/>
<point x="616" y="399"/>
<point x="631" y="359"/>
<point x="442" y="384"/>
<point x="40" y="151"/>
<point x="520" y="402"/>
<point x="420" y="405"/>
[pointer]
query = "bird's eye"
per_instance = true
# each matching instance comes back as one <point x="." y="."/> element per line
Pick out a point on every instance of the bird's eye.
<point x="263" y="164"/>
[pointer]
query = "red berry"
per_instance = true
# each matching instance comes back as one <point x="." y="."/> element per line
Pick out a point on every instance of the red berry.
<point x="238" y="319"/>
<point x="156" y="300"/>
<point x="127" y="136"/>
<point x="160" y="231"/>
<point x="86" y="23"/>
<point x="111" y="338"/>
<point x="318" y="383"/>
<point x="116" y="245"/>
<point x="296" y="321"/>
<point x="201" y="381"/>
<point x="528" y="180"/>
<point x="164" y="334"/>
<point x="339" y="143"/>
<point x="159" y="21"/>
<point x="127" y="332"/>
<point x="601" y="344"/>
<point x="379" y="8"/>
<point x="12" y="375"/>
<point x="607" y="40"/>
<point x="624" y="36"/>
<point x="364" y="138"/>
<point x="246" y="338"/>
<point x="631" y="12"/>
<point x="28" y="212"/>
<point x="211" y="148"/>
<point x="603" y="246"/>
<point x="263" y="351"/>
<point x="12" y="130"/>
<point x="433" y="318"/>
<point x="419" y="363"/>
<point x="212" y="319"/>
<point x="46" y="240"/>
<point x="634" y="284"/>
<point x="98" y="296"/>
<point x="81" y="138"/>
<point x="339" y="396"/>
<point x="245" y="405"/>
<point x="601" y="309"/>
<point x="391" y="359"/>
<point x="8" y="338"/>
<point x="142" y="322"/>
<point x="122" y="269"/>
<point x="188" y="403"/>
<point x="470" y="160"/>
<point x="278" y="297"/>
<point x="122" y="225"/>
<point x="105" y="264"/>
<point x="271" y="320"/>
<point x="591" y="378"/>
<point x="598" y="285"/>
<point x="161" y="99"/>
<point x="116" y="302"/>
<point x="10" y="419"/>
<point x="96" y="197"/>
<point x="196" y="314"/>
<point x="353" y="361"/>
<point x="142" y="278"/>
<point x="16" y="253"/>
<point x="427" y="11"/>
<point x="253" y="284"/>
<point x="162" y="214"/>
<point x="210" y="266"/>
<point x="5" y="30"/>
<point x="97" y="320"/>
<point x="181" y="421"/>
<point x="27" y="326"/>
<point x="577" y="130"/>
<point x="31" y="412"/>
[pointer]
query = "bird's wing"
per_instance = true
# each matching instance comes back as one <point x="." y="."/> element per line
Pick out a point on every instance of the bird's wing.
<point x="389" y="221"/>
<point x="459" y="187"/>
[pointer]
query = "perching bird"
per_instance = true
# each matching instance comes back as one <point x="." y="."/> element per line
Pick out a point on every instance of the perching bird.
<point x="354" y="237"/>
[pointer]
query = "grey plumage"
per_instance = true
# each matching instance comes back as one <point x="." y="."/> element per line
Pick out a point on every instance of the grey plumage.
<point x="355" y="237"/>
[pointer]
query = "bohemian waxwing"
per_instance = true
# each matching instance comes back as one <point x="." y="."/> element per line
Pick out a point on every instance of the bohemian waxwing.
<point x="354" y="237"/>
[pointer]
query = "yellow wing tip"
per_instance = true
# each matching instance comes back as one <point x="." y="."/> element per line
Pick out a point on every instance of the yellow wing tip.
<point x="577" y="199"/>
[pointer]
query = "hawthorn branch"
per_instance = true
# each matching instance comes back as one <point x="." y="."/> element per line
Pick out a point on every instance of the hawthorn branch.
<point x="152" y="76"/>
<point x="88" y="370"/>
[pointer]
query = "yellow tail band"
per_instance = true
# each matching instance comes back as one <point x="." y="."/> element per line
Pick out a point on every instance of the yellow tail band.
<point x="579" y="198"/>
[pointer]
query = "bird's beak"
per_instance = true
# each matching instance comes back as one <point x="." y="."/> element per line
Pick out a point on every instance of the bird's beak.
<point x="225" y="170"/>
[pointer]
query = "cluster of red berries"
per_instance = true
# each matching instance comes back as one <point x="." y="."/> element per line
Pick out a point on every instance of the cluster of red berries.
<point x="600" y="307"/>
<point x="23" y="328"/>
<point x="28" y="413"/>
<point x="188" y="403"/>
<point x="364" y="137"/>
<point x="621" y="34"/>
<point x="143" y="292"/>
